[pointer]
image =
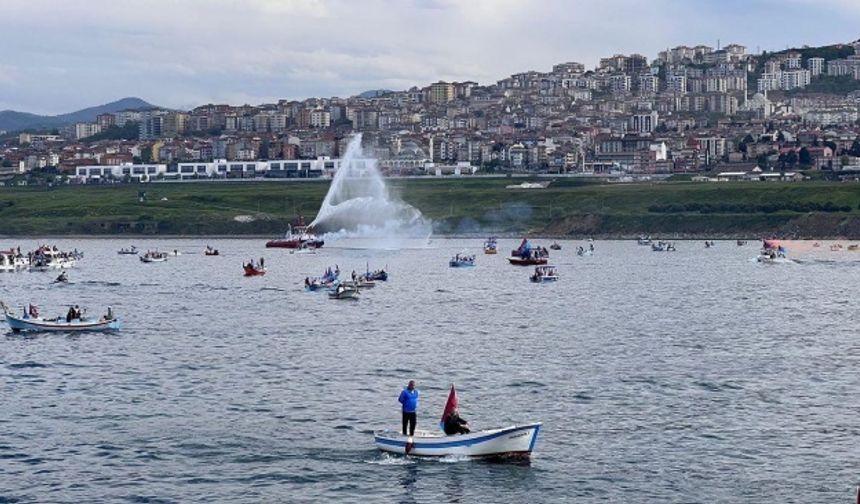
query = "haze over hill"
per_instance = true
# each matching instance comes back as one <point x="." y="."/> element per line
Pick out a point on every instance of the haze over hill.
<point x="12" y="120"/>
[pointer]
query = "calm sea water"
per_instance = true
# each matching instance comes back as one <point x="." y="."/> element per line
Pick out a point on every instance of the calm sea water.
<point x="694" y="376"/>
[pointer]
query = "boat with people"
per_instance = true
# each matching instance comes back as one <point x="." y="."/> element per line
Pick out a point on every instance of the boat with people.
<point x="254" y="269"/>
<point x="505" y="443"/>
<point x="582" y="251"/>
<point x="74" y="321"/>
<point x="663" y="246"/>
<point x="63" y="278"/>
<point x="544" y="274"/>
<point x="13" y="260"/>
<point x="462" y="261"/>
<point x="709" y="244"/>
<point x="326" y="281"/>
<point x="297" y="236"/>
<point x="526" y="255"/>
<point x="377" y="276"/>
<point x="153" y="256"/>
<point x="128" y="251"/>
<point x="344" y="291"/>
<point x="490" y="246"/>
<point x="211" y="251"/>
<point x="555" y="246"/>
<point x="47" y="258"/>
<point x="741" y="243"/>
<point x="772" y="252"/>
<point x="643" y="240"/>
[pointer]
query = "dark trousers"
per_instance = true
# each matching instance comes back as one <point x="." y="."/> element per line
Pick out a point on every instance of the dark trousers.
<point x="409" y="419"/>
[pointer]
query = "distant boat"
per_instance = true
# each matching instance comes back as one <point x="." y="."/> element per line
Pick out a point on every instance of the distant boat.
<point x="555" y="246"/>
<point x="462" y="261"/>
<point x="644" y="240"/>
<point x="527" y="261"/>
<point x="772" y="252"/>
<point x="253" y="270"/>
<point x="490" y="246"/>
<point x="344" y="292"/>
<point x="129" y="251"/>
<point x="544" y="274"/>
<point x="662" y="246"/>
<point x="296" y="237"/>
<point x="211" y="251"/>
<point x="153" y="257"/>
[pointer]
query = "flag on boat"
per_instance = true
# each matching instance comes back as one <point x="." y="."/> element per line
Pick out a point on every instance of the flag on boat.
<point x="770" y="244"/>
<point x="450" y="406"/>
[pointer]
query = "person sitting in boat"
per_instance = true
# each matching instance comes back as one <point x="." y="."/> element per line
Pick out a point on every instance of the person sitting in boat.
<point x="71" y="315"/>
<point x="307" y="282"/>
<point x="454" y="424"/>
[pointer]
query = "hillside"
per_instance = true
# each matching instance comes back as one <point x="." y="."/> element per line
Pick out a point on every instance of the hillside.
<point x="12" y="120"/>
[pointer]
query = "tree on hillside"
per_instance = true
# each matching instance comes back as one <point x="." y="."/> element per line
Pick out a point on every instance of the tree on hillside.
<point x="804" y="157"/>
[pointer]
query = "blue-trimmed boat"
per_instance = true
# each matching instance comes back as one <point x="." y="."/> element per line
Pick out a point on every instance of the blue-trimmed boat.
<point x="60" y="324"/>
<point x="517" y="441"/>
<point x="462" y="261"/>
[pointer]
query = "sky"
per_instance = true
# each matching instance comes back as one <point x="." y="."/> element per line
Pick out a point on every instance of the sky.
<point x="62" y="55"/>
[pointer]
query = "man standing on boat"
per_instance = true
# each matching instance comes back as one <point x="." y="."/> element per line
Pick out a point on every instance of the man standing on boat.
<point x="409" y="399"/>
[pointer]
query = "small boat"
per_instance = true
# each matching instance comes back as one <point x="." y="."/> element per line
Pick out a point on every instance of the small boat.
<point x="128" y="251"/>
<point x="544" y="274"/>
<point x="63" y="278"/>
<point x="662" y="246"/>
<point x="644" y="240"/>
<point x="772" y="252"/>
<point x="709" y="244"/>
<point x="526" y="255"/>
<point x="11" y="261"/>
<point x="582" y="251"/>
<point x="555" y="246"/>
<point x="490" y="246"/>
<point x="462" y="261"/>
<point x="253" y="270"/>
<point x="60" y="324"/>
<point x="211" y="251"/>
<point x="377" y="276"/>
<point x="741" y="243"/>
<point x="853" y="247"/>
<point x="836" y="247"/>
<point x="343" y="291"/>
<point x="516" y="441"/>
<point x="47" y="258"/>
<point x="153" y="257"/>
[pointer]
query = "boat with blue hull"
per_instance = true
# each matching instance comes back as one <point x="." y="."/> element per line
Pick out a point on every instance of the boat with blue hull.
<point x="462" y="261"/>
<point x="517" y="441"/>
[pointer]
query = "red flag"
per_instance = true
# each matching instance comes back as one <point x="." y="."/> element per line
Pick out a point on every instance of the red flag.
<point x="450" y="406"/>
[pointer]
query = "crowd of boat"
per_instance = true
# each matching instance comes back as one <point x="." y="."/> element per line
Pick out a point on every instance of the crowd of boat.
<point x="345" y="289"/>
<point x="44" y="258"/>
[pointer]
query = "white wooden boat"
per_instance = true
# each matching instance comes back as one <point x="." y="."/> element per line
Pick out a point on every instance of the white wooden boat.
<point x="59" y="324"/>
<point x="152" y="257"/>
<point x="343" y="292"/>
<point x="513" y="441"/>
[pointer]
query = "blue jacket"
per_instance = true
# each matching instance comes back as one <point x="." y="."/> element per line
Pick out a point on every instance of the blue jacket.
<point x="409" y="400"/>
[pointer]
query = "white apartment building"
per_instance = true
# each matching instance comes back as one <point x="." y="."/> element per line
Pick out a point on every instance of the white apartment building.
<point x="677" y="84"/>
<point x="769" y="82"/>
<point x="648" y="84"/>
<point x="795" y="79"/>
<point x="815" y="66"/>
<point x="83" y="130"/>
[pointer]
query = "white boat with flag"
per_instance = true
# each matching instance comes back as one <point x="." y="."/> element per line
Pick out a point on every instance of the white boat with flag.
<point x="32" y="322"/>
<point x="515" y="441"/>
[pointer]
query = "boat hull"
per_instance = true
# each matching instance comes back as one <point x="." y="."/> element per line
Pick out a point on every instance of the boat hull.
<point x="41" y="325"/>
<point x="517" y="440"/>
<point x="519" y="261"/>
<point x="460" y="264"/>
<point x="294" y="243"/>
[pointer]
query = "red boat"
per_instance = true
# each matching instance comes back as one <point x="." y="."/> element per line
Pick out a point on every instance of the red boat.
<point x="296" y="237"/>
<point x="251" y="270"/>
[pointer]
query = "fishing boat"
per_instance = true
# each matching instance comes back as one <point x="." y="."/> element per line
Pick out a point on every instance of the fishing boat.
<point x="490" y="246"/>
<point x="582" y="251"/>
<point x="377" y="276"/>
<point x="128" y="251"/>
<point x="253" y="270"/>
<point x="32" y="322"/>
<point x="526" y="255"/>
<point x="544" y="274"/>
<point x="741" y="243"/>
<point x="644" y="240"/>
<point x="555" y="246"/>
<point x="662" y="246"/>
<point x="772" y="252"/>
<point x="344" y="292"/>
<point x="462" y="261"/>
<point x="514" y="442"/>
<point x="12" y="261"/>
<point x="296" y="237"/>
<point x="47" y="258"/>
<point x="153" y="256"/>
<point x="211" y="251"/>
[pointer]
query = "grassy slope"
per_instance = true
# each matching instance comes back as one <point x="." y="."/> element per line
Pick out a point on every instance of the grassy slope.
<point x="457" y="206"/>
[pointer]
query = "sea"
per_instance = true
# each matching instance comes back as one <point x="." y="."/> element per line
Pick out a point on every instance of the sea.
<point x="697" y="375"/>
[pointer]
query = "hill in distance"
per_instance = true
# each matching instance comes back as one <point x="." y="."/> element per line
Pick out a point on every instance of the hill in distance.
<point x="11" y="120"/>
